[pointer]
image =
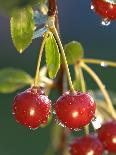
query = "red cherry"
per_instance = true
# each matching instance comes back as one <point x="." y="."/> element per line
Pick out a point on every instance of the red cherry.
<point x="88" y="145"/>
<point x="107" y="135"/>
<point x="105" y="9"/>
<point x="31" y="108"/>
<point x="75" y="110"/>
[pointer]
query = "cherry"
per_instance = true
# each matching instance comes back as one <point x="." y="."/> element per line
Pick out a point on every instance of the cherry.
<point x="75" y="110"/>
<point x="31" y="108"/>
<point x="88" y="145"/>
<point x="106" y="10"/>
<point x="107" y="135"/>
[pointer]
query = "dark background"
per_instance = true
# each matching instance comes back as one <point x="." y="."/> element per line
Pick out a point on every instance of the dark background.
<point x="77" y="22"/>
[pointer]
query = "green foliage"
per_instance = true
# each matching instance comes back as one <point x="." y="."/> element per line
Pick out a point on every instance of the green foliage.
<point x="12" y="79"/>
<point x="74" y="52"/>
<point x="52" y="56"/>
<point x="22" y="28"/>
<point x="10" y="5"/>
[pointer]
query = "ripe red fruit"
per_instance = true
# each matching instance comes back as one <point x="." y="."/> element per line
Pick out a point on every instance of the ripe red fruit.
<point x="88" y="145"/>
<point x="31" y="108"/>
<point x="75" y="110"/>
<point x="107" y="135"/>
<point x="105" y="9"/>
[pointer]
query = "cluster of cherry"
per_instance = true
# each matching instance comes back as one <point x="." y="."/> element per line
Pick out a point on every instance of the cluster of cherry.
<point x="104" y="140"/>
<point x="32" y="109"/>
<point x="73" y="110"/>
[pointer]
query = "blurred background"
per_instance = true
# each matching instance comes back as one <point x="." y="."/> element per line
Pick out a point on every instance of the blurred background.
<point x="77" y="22"/>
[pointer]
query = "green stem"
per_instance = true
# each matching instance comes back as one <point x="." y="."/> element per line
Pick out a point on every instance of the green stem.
<point x="83" y="85"/>
<point x="99" y="62"/>
<point x="54" y="31"/>
<point x="86" y="130"/>
<point x="102" y="88"/>
<point x="36" y="81"/>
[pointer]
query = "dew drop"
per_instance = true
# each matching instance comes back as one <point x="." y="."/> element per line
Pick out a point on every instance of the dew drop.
<point x="103" y="64"/>
<point x="54" y="112"/>
<point x="33" y="129"/>
<point x="60" y="124"/>
<point x="111" y="1"/>
<point x="77" y="129"/>
<point x="21" y="50"/>
<point x="92" y="7"/>
<point x="106" y="152"/>
<point x="105" y="22"/>
<point x="94" y="118"/>
<point x="97" y="122"/>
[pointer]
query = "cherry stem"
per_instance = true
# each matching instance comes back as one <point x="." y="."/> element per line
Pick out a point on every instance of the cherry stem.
<point x="54" y="31"/>
<point x="99" y="62"/>
<point x="83" y="85"/>
<point x="102" y="88"/>
<point x="36" y="81"/>
<point x="86" y="130"/>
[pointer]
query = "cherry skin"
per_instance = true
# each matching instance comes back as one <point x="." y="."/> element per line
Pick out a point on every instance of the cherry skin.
<point x="105" y="9"/>
<point x="75" y="110"/>
<point x="88" y="145"/>
<point x="107" y="135"/>
<point x="31" y="108"/>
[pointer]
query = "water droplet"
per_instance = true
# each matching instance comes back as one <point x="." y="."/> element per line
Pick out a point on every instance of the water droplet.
<point x="111" y="1"/>
<point x="77" y="129"/>
<point x="105" y="22"/>
<point x="97" y="123"/>
<point x="35" y="28"/>
<point x="94" y="118"/>
<point x="92" y="7"/>
<point x="106" y="152"/>
<point x="33" y="129"/>
<point x="103" y="64"/>
<point x="21" y="50"/>
<point x="61" y="124"/>
<point x="54" y="112"/>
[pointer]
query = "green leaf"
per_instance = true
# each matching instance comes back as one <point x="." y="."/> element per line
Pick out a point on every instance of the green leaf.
<point x="74" y="52"/>
<point x="52" y="56"/>
<point x="13" y="79"/>
<point x="22" y="28"/>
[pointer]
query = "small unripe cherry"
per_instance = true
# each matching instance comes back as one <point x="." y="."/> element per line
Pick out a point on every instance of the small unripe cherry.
<point x="88" y="145"/>
<point x="107" y="135"/>
<point x="31" y="108"/>
<point x="75" y="110"/>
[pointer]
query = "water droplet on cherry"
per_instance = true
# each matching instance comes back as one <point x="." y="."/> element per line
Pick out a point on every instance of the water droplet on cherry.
<point x="105" y="22"/>
<point x="92" y="7"/>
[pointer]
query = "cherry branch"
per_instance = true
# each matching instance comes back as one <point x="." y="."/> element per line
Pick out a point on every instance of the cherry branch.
<point x="52" y="7"/>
